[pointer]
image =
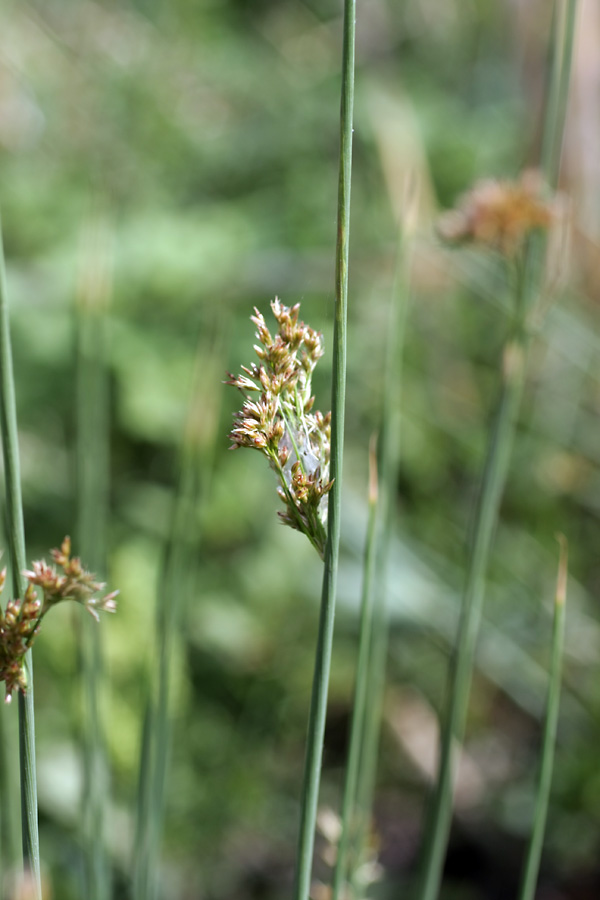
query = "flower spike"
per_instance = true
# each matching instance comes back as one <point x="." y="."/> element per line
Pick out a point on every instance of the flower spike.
<point x="500" y="215"/>
<point x="20" y="621"/>
<point x="281" y="424"/>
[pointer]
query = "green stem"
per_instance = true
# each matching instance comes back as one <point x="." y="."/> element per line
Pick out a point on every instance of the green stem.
<point x="175" y="581"/>
<point x="318" y="705"/>
<point x="156" y="738"/>
<point x="92" y="466"/>
<point x="16" y="543"/>
<point x="563" y="27"/>
<point x="389" y="463"/>
<point x="9" y="816"/>
<point x="359" y="715"/>
<point x="529" y="279"/>
<point x="534" y="851"/>
<point x="462" y="664"/>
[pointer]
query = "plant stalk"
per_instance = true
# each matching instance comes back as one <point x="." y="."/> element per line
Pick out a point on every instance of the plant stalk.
<point x="563" y="35"/>
<point x="318" y="705"/>
<point x="366" y="728"/>
<point x="175" y="585"/>
<point x="92" y="465"/>
<point x="534" y="850"/>
<point x="494" y="478"/>
<point x="359" y="715"/>
<point x="528" y="281"/>
<point x="16" y="544"/>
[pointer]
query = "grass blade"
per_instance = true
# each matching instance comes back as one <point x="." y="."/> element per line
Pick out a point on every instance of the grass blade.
<point x="16" y="544"/>
<point x="9" y="816"/>
<point x="157" y="722"/>
<point x="534" y="851"/>
<point x="527" y="286"/>
<point x="318" y="704"/>
<point x="563" y="27"/>
<point x="365" y="729"/>
<point x="174" y="586"/>
<point x="92" y="466"/>
<point x="460" y="677"/>
<point x="359" y="716"/>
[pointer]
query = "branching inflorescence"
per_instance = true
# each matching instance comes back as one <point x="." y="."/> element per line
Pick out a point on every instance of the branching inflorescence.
<point x="501" y="215"/>
<point x="280" y="422"/>
<point x="20" y="622"/>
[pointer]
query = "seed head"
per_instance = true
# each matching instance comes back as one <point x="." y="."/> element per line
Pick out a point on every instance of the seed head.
<point x="20" y="621"/>
<point x="281" y="423"/>
<point x="499" y="214"/>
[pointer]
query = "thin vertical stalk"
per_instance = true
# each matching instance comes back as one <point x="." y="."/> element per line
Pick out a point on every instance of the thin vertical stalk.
<point x="494" y="476"/>
<point x="156" y="737"/>
<point x="366" y="719"/>
<point x="9" y="816"/>
<point x="318" y="704"/>
<point x="16" y="544"/>
<point x="534" y="850"/>
<point x="564" y="18"/>
<point x="389" y="464"/>
<point x="92" y="466"/>
<point x="359" y="715"/>
<point x="173" y="588"/>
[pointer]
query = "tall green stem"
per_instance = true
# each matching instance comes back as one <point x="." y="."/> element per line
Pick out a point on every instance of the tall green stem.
<point x="462" y="664"/>
<point x="359" y="715"/>
<point x="16" y="544"/>
<point x="565" y="14"/>
<point x="318" y="705"/>
<point x="156" y="738"/>
<point x="92" y="466"/>
<point x="389" y="463"/>
<point x="513" y="371"/>
<point x="534" y="851"/>
<point x="173" y="589"/>
<point x="372" y="654"/>
<point x="9" y="812"/>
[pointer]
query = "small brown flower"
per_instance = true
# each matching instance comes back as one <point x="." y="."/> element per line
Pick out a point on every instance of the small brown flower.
<point x="499" y="214"/>
<point x="20" y="622"/>
<point x="18" y="627"/>
<point x="75" y="583"/>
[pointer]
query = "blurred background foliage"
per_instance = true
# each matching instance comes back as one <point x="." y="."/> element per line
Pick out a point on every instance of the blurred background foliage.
<point x="198" y="144"/>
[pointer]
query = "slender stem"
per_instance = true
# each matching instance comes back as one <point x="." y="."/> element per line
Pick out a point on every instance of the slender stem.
<point x="16" y="543"/>
<point x="462" y="664"/>
<point x="156" y="738"/>
<point x="527" y="287"/>
<point x="9" y="813"/>
<point x="349" y="819"/>
<point x="534" y="851"/>
<point x="197" y="454"/>
<point x="563" y="23"/>
<point x="318" y="705"/>
<point x="389" y="463"/>
<point x="92" y="465"/>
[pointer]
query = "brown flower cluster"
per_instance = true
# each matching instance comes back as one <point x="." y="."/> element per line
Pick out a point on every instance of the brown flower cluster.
<point x="280" y="422"/>
<point x="20" y="622"/>
<point x="500" y="214"/>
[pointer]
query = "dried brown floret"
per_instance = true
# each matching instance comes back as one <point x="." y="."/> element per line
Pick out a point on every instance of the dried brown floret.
<point x="20" y="622"/>
<point x="500" y="214"/>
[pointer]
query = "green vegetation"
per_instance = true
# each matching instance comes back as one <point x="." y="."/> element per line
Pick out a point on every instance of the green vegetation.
<point x="195" y="148"/>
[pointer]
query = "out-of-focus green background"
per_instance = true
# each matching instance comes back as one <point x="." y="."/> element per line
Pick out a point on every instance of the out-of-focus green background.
<point x="198" y="144"/>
